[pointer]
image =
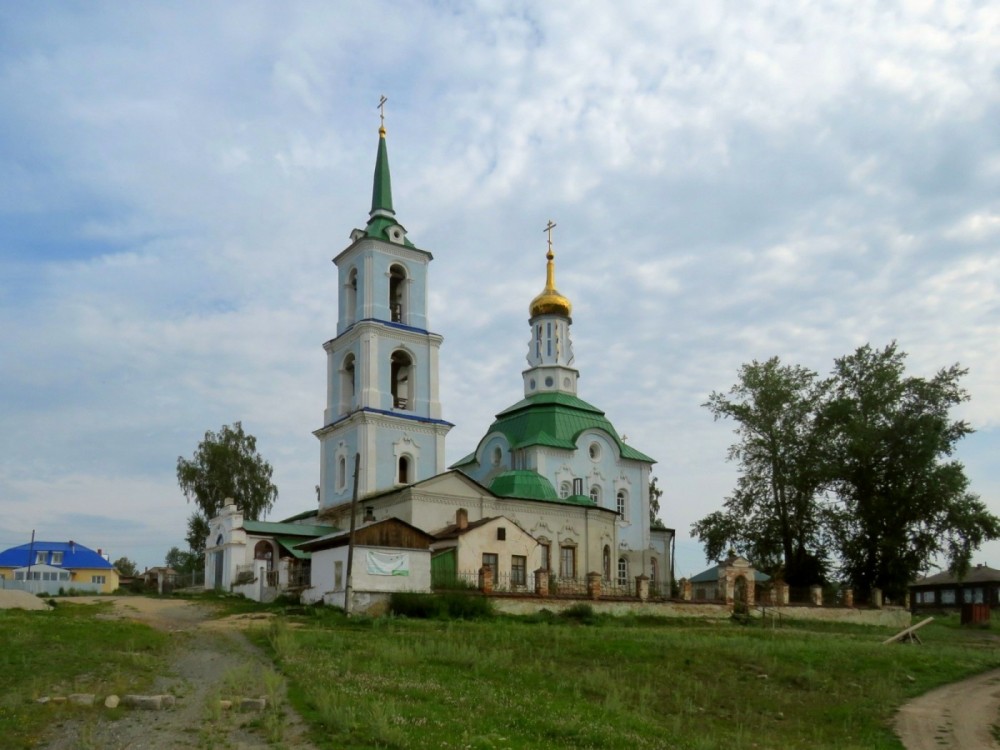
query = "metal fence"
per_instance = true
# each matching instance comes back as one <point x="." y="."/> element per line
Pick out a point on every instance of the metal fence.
<point x="51" y="588"/>
<point x="559" y="586"/>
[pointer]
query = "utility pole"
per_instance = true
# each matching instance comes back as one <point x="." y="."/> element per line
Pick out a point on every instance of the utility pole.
<point x="31" y="556"/>
<point x="349" y="588"/>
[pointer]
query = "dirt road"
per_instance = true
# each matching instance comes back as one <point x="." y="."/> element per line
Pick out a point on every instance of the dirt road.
<point x="960" y="716"/>
<point x="210" y="660"/>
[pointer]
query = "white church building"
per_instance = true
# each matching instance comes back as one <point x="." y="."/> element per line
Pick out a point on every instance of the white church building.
<point x="551" y="467"/>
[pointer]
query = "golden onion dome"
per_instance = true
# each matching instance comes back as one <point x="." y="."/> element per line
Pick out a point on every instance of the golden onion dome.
<point x="550" y="302"/>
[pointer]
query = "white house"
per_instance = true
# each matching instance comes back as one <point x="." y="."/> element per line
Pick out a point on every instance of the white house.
<point x="388" y="556"/>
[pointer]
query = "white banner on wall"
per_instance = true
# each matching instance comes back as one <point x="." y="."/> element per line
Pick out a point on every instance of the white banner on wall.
<point x="387" y="564"/>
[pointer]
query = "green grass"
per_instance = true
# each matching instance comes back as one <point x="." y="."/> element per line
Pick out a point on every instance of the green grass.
<point x="62" y="651"/>
<point x="635" y="683"/>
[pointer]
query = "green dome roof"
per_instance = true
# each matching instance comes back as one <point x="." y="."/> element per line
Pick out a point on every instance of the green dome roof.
<point x="555" y="420"/>
<point x="523" y="483"/>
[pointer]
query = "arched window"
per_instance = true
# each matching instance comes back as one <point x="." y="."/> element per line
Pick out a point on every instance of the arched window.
<point x="400" y="372"/>
<point x="622" y="504"/>
<point x="341" y="472"/>
<point x="607" y="563"/>
<point x="653" y="574"/>
<point x="348" y="384"/>
<point x="595" y="494"/>
<point x="564" y="490"/>
<point x="403" y="475"/>
<point x="351" y="295"/>
<point x="263" y="551"/>
<point x="397" y="294"/>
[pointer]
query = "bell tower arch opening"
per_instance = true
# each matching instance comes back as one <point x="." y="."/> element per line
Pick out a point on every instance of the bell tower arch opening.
<point x="397" y="293"/>
<point x="401" y="373"/>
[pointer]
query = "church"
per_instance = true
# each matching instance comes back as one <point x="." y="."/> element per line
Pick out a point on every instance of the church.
<point x="551" y="485"/>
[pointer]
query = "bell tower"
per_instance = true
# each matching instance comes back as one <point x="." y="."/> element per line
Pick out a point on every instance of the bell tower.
<point x="550" y="351"/>
<point x="382" y="368"/>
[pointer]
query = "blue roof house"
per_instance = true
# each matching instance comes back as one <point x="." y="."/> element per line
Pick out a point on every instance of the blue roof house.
<point x="46" y="567"/>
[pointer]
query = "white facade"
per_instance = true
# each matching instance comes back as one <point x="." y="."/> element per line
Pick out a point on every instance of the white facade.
<point x="329" y="573"/>
<point x="382" y="390"/>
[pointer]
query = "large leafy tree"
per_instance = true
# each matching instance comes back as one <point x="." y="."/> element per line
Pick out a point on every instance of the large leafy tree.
<point x="899" y="499"/>
<point x="773" y="516"/>
<point x="126" y="567"/>
<point x="226" y="464"/>
<point x="655" y="493"/>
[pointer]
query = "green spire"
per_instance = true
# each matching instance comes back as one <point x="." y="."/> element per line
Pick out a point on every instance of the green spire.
<point x="382" y="188"/>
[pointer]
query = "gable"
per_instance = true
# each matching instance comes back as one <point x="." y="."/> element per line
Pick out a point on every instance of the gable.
<point x="452" y="484"/>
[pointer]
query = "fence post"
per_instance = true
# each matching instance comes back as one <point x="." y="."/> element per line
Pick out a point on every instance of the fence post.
<point x="642" y="587"/>
<point x="594" y="585"/>
<point x="541" y="582"/>
<point x="816" y="595"/>
<point x="685" y="585"/>
<point x="848" y="597"/>
<point x="486" y="579"/>
<point x="877" y="598"/>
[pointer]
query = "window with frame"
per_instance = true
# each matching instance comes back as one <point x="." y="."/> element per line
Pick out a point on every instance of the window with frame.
<point x="341" y="472"/>
<point x="546" y="555"/>
<point x="567" y="562"/>
<point x="492" y="561"/>
<point x="622" y="571"/>
<point x="501" y="533"/>
<point x="518" y="570"/>
<point x="338" y="575"/>
<point x="947" y="596"/>
<point x="40" y="558"/>
<point x="57" y="558"/>
<point x="98" y="579"/>
<point x="564" y="490"/>
<point x="621" y="500"/>
<point x="595" y="495"/>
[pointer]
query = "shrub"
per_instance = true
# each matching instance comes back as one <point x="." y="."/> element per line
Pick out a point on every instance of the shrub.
<point x="451" y="605"/>
<point x="424" y="606"/>
<point x="466" y="606"/>
<point x="583" y="613"/>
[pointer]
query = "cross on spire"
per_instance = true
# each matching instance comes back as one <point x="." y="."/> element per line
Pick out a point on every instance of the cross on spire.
<point x="548" y="229"/>
<point x="381" y="112"/>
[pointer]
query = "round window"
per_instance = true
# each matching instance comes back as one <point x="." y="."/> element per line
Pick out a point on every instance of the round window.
<point x="531" y="384"/>
<point x="549" y="382"/>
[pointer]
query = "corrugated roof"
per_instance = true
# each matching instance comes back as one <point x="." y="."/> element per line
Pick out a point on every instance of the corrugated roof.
<point x="978" y="574"/>
<point x="73" y="555"/>
<point x="555" y="420"/>
<point x="289" y="543"/>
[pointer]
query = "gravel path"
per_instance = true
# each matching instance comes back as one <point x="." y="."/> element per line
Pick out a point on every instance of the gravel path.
<point x="959" y="716"/>
<point x="210" y="660"/>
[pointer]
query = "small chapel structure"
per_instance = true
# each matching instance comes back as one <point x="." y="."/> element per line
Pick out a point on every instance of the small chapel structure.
<point x="551" y="485"/>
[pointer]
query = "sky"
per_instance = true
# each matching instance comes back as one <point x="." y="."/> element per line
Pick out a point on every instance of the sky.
<point x="730" y="182"/>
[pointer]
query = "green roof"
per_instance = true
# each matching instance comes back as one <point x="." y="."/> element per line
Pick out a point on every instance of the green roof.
<point x="712" y="575"/>
<point x="382" y="214"/>
<point x="555" y="420"/>
<point x="289" y="542"/>
<point x="287" y="529"/>
<point x="523" y="483"/>
<point x="382" y="184"/>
